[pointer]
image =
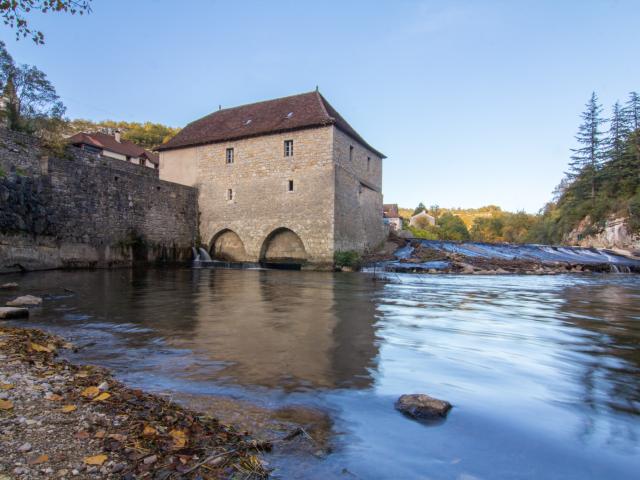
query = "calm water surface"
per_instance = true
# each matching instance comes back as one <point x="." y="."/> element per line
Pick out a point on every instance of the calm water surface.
<point x="543" y="372"/>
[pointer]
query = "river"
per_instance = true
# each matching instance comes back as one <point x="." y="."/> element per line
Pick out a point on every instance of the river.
<point x="543" y="371"/>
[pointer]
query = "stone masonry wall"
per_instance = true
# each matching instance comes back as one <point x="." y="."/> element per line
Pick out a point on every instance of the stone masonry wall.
<point x="358" y="196"/>
<point x="262" y="204"/>
<point x="87" y="211"/>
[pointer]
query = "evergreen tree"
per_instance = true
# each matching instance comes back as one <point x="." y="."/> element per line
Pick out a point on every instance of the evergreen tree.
<point x="616" y="145"/>
<point x="632" y="111"/>
<point x="419" y="208"/>
<point x="587" y="158"/>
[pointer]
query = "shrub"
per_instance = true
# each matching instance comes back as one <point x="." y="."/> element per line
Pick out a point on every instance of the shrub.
<point x="347" y="258"/>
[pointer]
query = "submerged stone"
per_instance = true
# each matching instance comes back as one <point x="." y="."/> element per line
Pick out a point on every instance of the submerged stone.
<point x="13" y="312"/>
<point x="9" y="286"/>
<point x="25" y="301"/>
<point x="423" y="406"/>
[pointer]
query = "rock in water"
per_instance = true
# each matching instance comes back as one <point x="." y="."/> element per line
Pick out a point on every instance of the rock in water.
<point x="9" y="286"/>
<point x="13" y="312"/>
<point x="423" y="406"/>
<point x="25" y="301"/>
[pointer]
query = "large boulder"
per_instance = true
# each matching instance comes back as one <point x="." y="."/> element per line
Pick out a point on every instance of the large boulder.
<point x="13" y="312"/>
<point x="423" y="406"/>
<point x="25" y="301"/>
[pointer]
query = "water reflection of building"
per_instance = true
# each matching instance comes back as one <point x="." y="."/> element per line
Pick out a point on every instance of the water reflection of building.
<point x="287" y="329"/>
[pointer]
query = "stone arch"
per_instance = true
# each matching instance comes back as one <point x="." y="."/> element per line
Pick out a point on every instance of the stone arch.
<point x="227" y="246"/>
<point x="283" y="247"/>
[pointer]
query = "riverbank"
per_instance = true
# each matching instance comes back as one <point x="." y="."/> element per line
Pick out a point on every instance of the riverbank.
<point x="59" y="420"/>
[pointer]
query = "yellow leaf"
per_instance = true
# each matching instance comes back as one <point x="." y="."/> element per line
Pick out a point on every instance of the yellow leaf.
<point x="69" y="408"/>
<point x="38" y="460"/>
<point x="149" y="431"/>
<point x="54" y="397"/>
<point x="95" y="460"/>
<point x="5" y="386"/>
<point x="6" y="405"/>
<point x="39" y="348"/>
<point x="179" y="438"/>
<point x="102" y="397"/>
<point x="90" y="392"/>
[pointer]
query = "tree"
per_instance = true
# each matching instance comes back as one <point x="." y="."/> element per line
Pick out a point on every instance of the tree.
<point x="419" y="208"/>
<point x="586" y="159"/>
<point x="632" y="116"/>
<point x="30" y="101"/>
<point x="15" y="12"/>
<point x="452" y="227"/>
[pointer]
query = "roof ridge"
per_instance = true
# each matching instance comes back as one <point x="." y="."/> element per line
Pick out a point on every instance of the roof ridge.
<point x="323" y="106"/>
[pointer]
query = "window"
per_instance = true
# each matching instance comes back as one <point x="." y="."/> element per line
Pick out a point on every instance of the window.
<point x="290" y="186"/>
<point x="229" y="155"/>
<point x="230" y="194"/>
<point x="350" y="153"/>
<point x="288" y="148"/>
<point x="368" y="163"/>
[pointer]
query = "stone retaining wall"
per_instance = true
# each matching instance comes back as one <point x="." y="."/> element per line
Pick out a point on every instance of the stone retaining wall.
<point x="85" y="210"/>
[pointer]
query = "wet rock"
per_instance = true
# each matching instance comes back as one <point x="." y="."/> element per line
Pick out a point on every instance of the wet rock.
<point x="25" y="301"/>
<point x="423" y="406"/>
<point x="13" y="312"/>
<point x="9" y="286"/>
<point x="26" y="447"/>
<point x="103" y="387"/>
<point x="150" y="459"/>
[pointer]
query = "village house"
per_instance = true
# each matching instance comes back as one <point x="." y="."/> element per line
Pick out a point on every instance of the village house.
<point x="391" y="216"/>
<point x="422" y="219"/>
<point x="114" y="146"/>
<point x="280" y="181"/>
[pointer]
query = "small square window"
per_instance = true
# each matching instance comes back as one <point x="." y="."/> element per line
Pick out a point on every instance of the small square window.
<point x="288" y="148"/>
<point x="229" y="155"/>
<point x="290" y="186"/>
<point x="230" y="194"/>
<point x="350" y="153"/>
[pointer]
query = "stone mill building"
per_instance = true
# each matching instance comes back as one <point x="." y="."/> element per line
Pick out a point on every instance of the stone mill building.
<point x="285" y="180"/>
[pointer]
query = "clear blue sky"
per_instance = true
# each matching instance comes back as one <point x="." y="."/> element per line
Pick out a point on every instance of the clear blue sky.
<point x="474" y="102"/>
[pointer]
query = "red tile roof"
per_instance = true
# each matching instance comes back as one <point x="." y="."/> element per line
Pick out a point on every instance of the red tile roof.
<point x="390" y="210"/>
<point x="109" y="142"/>
<point x="296" y="112"/>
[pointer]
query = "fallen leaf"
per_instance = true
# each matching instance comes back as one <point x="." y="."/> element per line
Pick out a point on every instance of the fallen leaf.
<point x="54" y="397"/>
<point x="82" y="435"/>
<point x="38" y="460"/>
<point x="100" y="434"/>
<point x="149" y="431"/>
<point x="117" y="436"/>
<point x="95" y="460"/>
<point x="90" y="392"/>
<point x="179" y="438"/>
<point x="69" y="408"/>
<point x="5" y="386"/>
<point x="6" y="405"/>
<point x="102" y="397"/>
<point x="39" y="348"/>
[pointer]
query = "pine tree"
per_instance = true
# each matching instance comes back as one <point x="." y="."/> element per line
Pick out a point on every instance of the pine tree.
<point x="616" y="145"/>
<point x="632" y="111"/>
<point x="587" y="159"/>
<point x="632" y="116"/>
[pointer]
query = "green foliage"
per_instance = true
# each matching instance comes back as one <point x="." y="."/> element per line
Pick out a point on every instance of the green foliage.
<point x="452" y="227"/>
<point x="147" y="135"/>
<point x="15" y="12"/>
<point x="419" y="208"/>
<point x="31" y="104"/>
<point x="604" y="182"/>
<point x="347" y="258"/>
<point x="2" y="173"/>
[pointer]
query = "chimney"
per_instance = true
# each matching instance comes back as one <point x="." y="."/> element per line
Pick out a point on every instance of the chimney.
<point x="117" y="135"/>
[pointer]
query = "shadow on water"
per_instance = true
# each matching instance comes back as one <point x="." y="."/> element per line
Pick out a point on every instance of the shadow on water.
<point x="543" y="372"/>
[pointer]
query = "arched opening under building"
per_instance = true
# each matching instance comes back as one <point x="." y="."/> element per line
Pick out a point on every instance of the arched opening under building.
<point x="226" y="246"/>
<point x="283" y="249"/>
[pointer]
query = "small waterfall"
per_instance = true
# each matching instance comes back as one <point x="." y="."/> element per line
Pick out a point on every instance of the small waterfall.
<point x="204" y="255"/>
<point x="196" y="255"/>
